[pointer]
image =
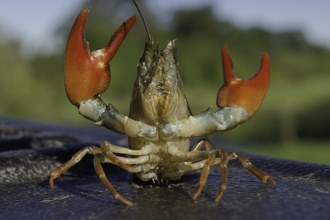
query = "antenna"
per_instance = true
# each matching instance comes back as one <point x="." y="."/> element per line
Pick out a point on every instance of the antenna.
<point x="144" y="21"/>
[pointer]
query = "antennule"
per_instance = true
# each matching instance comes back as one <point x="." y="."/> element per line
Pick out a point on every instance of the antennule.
<point x="144" y="22"/>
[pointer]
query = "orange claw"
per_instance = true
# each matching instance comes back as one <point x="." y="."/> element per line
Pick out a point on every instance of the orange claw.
<point x="88" y="73"/>
<point x="247" y="94"/>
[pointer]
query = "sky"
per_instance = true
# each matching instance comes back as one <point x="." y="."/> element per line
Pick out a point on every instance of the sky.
<point x="33" y="21"/>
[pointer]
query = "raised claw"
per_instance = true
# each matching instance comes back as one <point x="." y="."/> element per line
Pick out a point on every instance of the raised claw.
<point x="88" y="73"/>
<point x="247" y="94"/>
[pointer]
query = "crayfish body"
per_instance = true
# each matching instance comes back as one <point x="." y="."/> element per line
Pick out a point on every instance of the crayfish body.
<point x="159" y="125"/>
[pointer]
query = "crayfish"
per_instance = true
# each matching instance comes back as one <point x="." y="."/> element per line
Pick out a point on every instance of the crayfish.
<point x="160" y="123"/>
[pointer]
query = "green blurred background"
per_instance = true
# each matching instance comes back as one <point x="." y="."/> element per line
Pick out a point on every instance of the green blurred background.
<point x="293" y="121"/>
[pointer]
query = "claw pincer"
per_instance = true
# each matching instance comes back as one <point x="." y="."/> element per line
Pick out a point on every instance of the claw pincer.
<point x="247" y="94"/>
<point x="88" y="73"/>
